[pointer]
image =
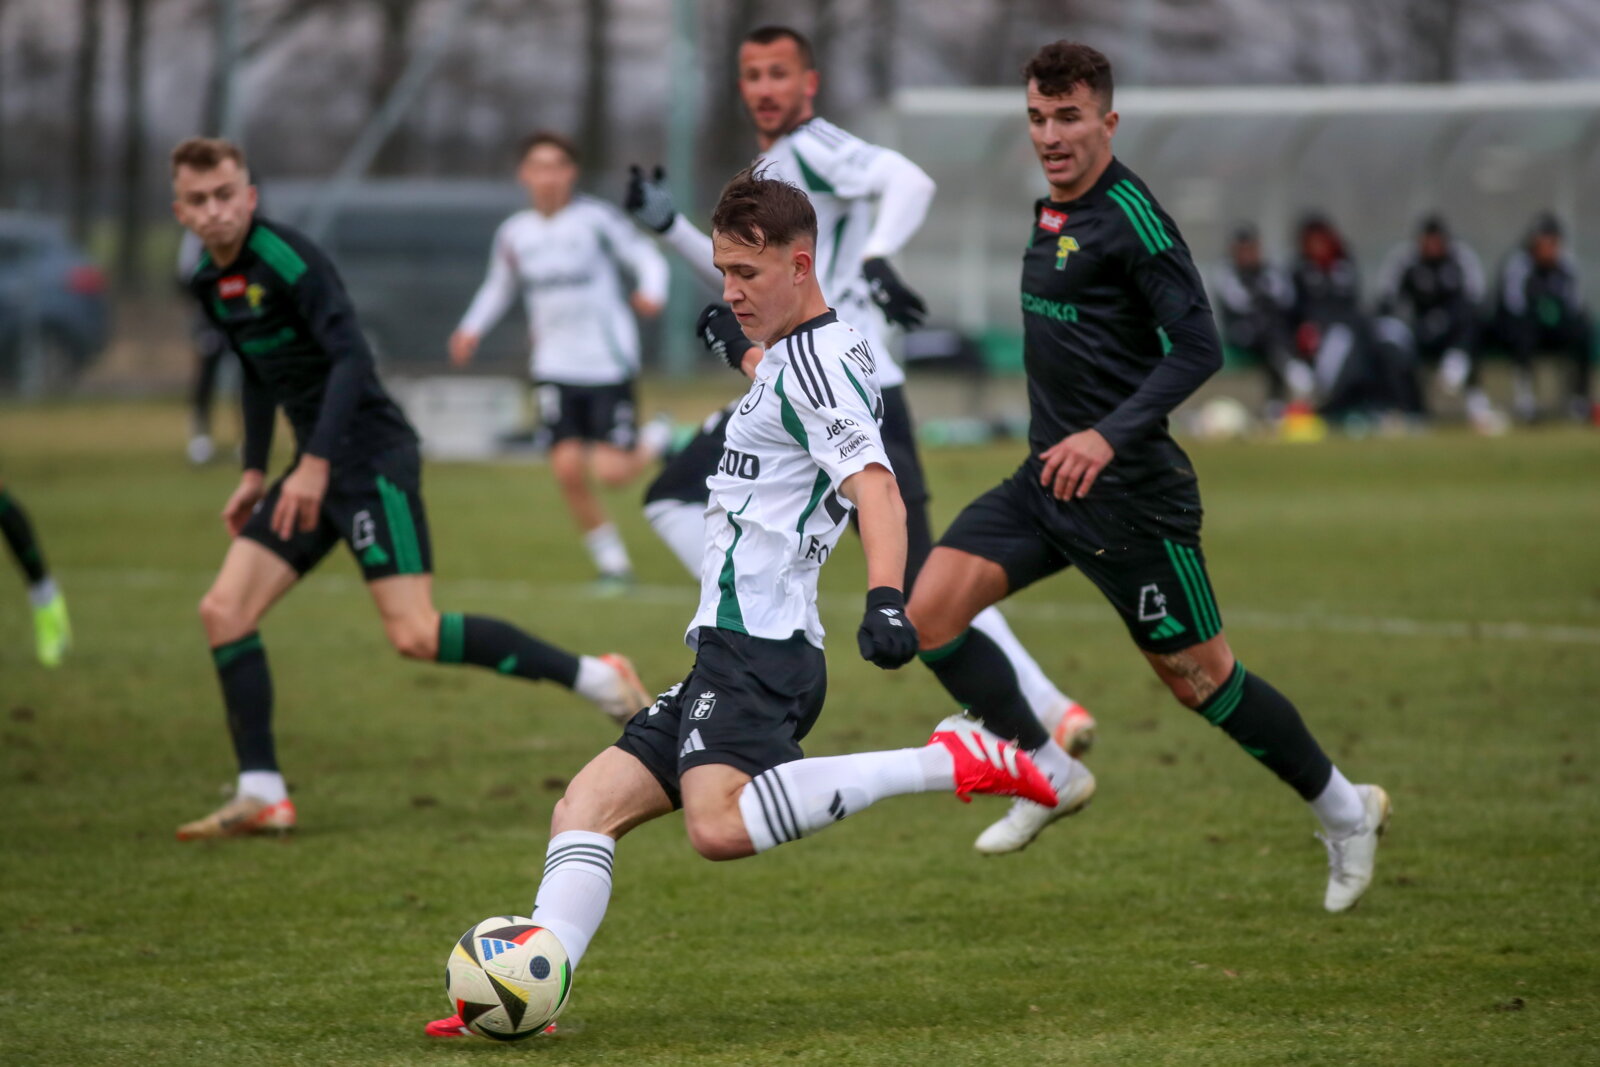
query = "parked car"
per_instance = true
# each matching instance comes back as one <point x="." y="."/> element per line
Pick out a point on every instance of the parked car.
<point x="53" y="303"/>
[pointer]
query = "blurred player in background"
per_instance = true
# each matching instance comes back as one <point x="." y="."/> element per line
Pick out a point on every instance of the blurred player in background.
<point x="52" y="630"/>
<point x="356" y="476"/>
<point x="869" y="201"/>
<point x="725" y="745"/>
<point x="1255" y="297"/>
<point x="1435" y="284"/>
<point x="572" y="258"/>
<point x="1117" y="333"/>
<point x="1541" y="309"/>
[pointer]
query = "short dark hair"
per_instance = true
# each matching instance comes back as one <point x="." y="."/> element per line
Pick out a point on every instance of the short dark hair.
<point x="1060" y="66"/>
<point x="758" y="211"/>
<point x="774" y="34"/>
<point x="205" y="153"/>
<point x="550" y="137"/>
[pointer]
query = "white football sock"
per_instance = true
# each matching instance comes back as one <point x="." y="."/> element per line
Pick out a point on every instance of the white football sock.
<point x="597" y="679"/>
<point x="1046" y="702"/>
<point x="43" y="591"/>
<point x="1053" y="760"/>
<point x="575" y="889"/>
<point x="683" y="527"/>
<point x="606" y="549"/>
<point x="263" y="785"/>
<point x="1339" y="807"/>
<point x="799" y="798"/>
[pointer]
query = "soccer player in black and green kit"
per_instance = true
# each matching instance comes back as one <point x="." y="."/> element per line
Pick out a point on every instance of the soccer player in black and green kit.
<point x="1117" y="333"/>
<point x="355" y="477"/>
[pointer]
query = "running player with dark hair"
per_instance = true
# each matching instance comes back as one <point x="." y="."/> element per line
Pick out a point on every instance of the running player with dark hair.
<point x="725" y="744"/>
<point x="869" y="201"/>
<point x="572" y="258"/>
<point x="1117" y="333"/>
<point x="356" y="477"/>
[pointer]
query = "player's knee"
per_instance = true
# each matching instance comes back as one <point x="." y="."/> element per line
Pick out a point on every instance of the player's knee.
<point x="935" y="627"/>
<point x="716" y="837"/>
<point x="224" y="616"/>
<point x="413" y="637"/>
<point x="613" y="474"/>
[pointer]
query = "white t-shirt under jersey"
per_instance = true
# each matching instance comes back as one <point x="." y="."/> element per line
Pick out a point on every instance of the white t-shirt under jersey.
<point x="808" y="422"/>
<point x="869" y="202"/>
<point x="570" y="269"/>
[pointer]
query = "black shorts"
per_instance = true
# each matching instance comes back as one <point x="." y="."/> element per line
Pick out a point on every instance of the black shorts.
<point x="374" y="505"/>
<point x="747" y="703"/>
<point x="1141" y="552"/>
<point x="601" y="413"/>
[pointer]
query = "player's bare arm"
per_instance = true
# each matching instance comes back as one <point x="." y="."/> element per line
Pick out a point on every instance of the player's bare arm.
<point x="876" y="495"/>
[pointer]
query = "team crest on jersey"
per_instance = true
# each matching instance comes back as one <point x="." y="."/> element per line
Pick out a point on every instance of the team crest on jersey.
<point x="254" y="294"/>
<point x="1052" y="221"/>
<point x="753" y="398"/>
<point x="232" y="287"/>
<point x="1065" y="246"/>
<point x="703" y="705"/>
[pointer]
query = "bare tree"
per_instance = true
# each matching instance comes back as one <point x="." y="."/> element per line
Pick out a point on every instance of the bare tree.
<point x="597" y="75"/>
<point x="131" y="187"/>
<point x="85" y="80"/>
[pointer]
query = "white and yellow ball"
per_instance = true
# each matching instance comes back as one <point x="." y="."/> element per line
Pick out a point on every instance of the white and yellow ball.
<point x="508" y="978"/>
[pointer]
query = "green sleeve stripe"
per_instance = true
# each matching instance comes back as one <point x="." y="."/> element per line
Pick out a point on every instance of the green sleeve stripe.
<point x="865" y="399"/>
<point x="838" y="242"/>
<point x="276" y="253"/>
<point x="814" y="181"/>
<point x="224" y="655"/>
<point x="1203" y="585"/>
<point x="1225" y="700"/>
<point x="818" y="487"/>
<point x="1139" y="200"/>
<point x="1191" y="591"/>
<point x="791" y="419"/>
<point x="452" y="637"/>
<point x="402" y="531"/>
<point x="1133" y="217"/>
<point x="729" y="615"/>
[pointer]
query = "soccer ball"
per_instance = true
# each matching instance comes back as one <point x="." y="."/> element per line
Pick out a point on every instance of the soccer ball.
<point x="508" y="978"/>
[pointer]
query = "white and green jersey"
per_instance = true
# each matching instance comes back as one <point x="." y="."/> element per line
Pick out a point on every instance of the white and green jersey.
<point x="808" y="422"/>
<point x="869" y="201"/>
<point x="572" y="269"/>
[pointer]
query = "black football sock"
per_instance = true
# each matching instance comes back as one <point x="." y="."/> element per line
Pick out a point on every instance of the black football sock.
<point x="247" y="693"/>
<point x="974" y="671"/>
<point x="1267" y="726"/>
<point x="501" y="647"/>
<point x="19" y="535"/>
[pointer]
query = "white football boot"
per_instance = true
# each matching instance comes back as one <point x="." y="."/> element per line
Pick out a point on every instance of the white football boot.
<point x="1023" y="822"/>
<point x="1351" y="858"/>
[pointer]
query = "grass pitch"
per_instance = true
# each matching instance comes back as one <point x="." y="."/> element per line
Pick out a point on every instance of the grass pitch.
<point x="1432" y="604"/>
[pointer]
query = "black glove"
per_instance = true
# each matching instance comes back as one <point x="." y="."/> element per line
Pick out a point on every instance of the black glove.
<point x="719" y="331"/>
<point x="649" y="201"/>
<point x="899" y="304"/>
<point x="886" y="638"/>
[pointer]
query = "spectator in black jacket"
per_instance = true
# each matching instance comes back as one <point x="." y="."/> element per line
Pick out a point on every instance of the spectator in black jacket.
<point x="1254" y="298"/>
<point x="1540" y="309"/>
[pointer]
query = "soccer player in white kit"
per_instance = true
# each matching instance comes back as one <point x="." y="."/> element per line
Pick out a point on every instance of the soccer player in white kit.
<point x="869" y="202"/>
<point x="568" y="255"/>
<point x="803" y="450"/>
